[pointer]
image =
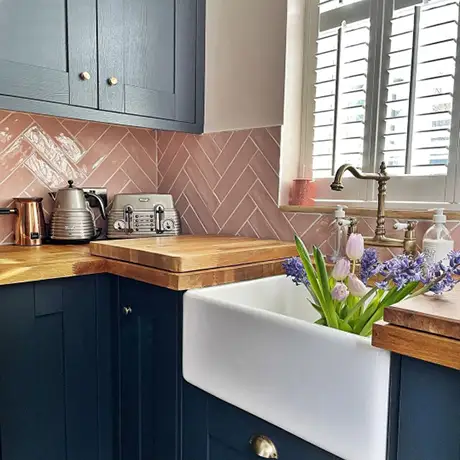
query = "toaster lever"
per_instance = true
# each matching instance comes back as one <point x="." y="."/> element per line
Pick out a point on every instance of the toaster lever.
<point x="159" y="213"/>
<point x="128" y="218"/>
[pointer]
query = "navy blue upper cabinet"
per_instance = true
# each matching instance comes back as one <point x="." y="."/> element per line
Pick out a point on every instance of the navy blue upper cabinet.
<point x="44" y="47"/>
<point x="56" y="373"/>
<point x="149" y="370"/>
<point x="429" y="412"/>
<point x="147" y="57"/>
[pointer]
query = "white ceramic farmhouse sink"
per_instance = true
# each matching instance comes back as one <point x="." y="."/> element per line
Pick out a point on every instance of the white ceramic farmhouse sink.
<point x="253" y="345"/>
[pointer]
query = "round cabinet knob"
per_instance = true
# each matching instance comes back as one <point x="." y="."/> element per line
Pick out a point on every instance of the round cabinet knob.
<point x="85" y="76"/>
<point x="127" y="311"/>
<point x="112" y="81"/>
<point x="263" y="446"/>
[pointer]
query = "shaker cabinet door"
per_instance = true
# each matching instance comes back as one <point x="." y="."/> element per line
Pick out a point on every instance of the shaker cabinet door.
<point x="147" y="57"/>
<point x="149" y="345"/>
<point x="48" y="48"/>
<point x="55" y="385"/>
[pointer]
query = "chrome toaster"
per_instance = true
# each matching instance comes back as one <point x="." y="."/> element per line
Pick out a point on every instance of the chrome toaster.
<point x="138" y="215"/>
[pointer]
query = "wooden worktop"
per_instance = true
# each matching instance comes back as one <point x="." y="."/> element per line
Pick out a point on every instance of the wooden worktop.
<point x="426" y="328"/>
<point x="190" y="252"/>
<point x="25" y="264"/>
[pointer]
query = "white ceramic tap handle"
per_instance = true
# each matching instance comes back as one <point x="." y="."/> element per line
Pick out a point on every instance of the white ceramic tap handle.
<point x="400" y="226"/>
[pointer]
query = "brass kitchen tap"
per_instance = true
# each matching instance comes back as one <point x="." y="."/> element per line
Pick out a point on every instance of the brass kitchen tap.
<point x="380" y="239"/>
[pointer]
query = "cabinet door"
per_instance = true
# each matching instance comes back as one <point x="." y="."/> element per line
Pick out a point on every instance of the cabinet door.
<point x="44" y="46"/>
<point x="216" y="430"/>
<point x="149" y="371"/>
<point x="429" y="414"/>
<point x="55" y="386"/>
<point x="149" y="47"/>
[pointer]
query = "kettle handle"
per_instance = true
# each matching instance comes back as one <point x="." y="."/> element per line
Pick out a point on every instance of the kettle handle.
<point x="100" y="202"/>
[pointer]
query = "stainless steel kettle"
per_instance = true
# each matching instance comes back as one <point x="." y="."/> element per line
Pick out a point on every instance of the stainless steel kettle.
<point x="72" y="219"/>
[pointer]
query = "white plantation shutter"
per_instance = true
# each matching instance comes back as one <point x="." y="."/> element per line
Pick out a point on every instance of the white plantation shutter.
<point x="389" y="92"/>
<point x="341" y="83"/>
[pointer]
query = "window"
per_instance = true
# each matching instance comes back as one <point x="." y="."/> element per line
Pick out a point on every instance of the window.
<point x="386" y="87"/>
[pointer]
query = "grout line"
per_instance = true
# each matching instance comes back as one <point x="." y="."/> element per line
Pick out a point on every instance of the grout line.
<point x="205" y="205"/>
<point x="247" y="220"/>
<point x="207" y="156"/>
<point x="241" y="146"/>
<point x="204" y="176"/>
<point x="311" y="226"/>
<point x="140" y="145"/>
<point x="138" y="165"/>
<point x="172" y="160"/>
<point x="119" y="168"/>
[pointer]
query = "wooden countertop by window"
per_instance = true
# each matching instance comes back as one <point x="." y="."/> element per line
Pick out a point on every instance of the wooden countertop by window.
<point x="426" y="328"/>
<point x="24" y="264"/>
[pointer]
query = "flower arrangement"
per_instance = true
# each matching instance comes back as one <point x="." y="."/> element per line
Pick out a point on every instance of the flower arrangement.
<point x="354" y="303"/>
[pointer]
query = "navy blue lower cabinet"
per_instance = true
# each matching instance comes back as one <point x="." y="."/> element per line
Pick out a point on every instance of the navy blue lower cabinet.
<point x="55" y="370"/>
<point x="149" y="371"/>
<point x="429" y="412"/>
<point x="216" y="430"/>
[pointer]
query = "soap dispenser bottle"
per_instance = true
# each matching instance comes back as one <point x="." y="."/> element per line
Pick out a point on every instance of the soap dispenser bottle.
<point x="437" y="242"/>
<point x="339" y="234"/>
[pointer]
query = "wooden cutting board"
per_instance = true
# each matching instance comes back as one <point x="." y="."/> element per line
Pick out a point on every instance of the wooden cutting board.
<point x="188" y="252"/>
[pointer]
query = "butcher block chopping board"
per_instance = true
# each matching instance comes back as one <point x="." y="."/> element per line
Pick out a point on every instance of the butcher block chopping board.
<point x="189" y="252"/>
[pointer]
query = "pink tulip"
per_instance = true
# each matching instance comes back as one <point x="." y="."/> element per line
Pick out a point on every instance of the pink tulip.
<point x="341" y="269"/>
<point x="355" y="246"/>
<point x="339" y="292"/>
<point x="356" y="287"/>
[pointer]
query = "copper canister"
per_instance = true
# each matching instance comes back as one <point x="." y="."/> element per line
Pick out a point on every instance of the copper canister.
<point x="29" y="229"/>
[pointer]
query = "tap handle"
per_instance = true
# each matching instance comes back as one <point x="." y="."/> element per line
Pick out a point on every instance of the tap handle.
<point x="408" y="226"/>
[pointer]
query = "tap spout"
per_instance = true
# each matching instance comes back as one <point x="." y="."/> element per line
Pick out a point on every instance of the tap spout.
<point x="337" y="185"/>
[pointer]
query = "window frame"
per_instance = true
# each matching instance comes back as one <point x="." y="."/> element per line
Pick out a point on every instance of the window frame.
<point x="419" y="192"/>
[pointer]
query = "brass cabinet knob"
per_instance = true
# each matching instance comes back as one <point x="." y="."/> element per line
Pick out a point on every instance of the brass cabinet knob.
<point x="112" y="81"/>
<point x="127" y="310"/>
<point x="263" y="446"/>
<point x="85" y="76"/>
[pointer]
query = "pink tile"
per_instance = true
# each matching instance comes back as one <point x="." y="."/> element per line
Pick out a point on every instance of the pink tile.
<point x="235" y="196"/>
<point x="14" y="185"/>
<point x="236" y="168"/>
<point x="186" y="230"/>
<point x="209" y="146"/>
<point x="141" y="157"/>
<point x="302" y="222"/>
<point x="116" y="183"/>
<point x="181" y="205"/>
<point x="202" y="160"/>
<point x="102" y="148"/>
<point x="169" y="154"/>
<point x="13" y="156"/>
<point x="91" y="133"/>
<point x="163" y="139"/>
<point x="261" y="226"/>
<point x="107" y="167"/>
<point x="4" y="114"/>
<point x="233" y="146"/>
<point x="265" y="173"/>
<point x="269" y="208"/>
<point x="201" y="185"/>
<point x="222" y="138"/>
<point x="239" y="216"/>
<point x="174" y="169"/>
<point x="137" y="176"/>
<point x="12" y="127"/>
<point x="318" y="233"/>
<point x="73" y="126"/>
<point x="247" y="231"/>
<point x="194" y="224"/>
<point x="267" y="146"/>
<point x="130" y="187"/>
<point x="200" y="208"/>
<point x="275" y="132"/>
<point x="178" y="186"/>
<point x="147" y="140"/>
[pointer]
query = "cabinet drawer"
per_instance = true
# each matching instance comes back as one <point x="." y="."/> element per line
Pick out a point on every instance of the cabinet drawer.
<point x="230" y="430"/>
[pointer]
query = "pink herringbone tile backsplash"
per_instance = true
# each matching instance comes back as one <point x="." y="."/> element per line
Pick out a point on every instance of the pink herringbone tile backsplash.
<point x="39" y="154"/>
<point x="224" y="183"/>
